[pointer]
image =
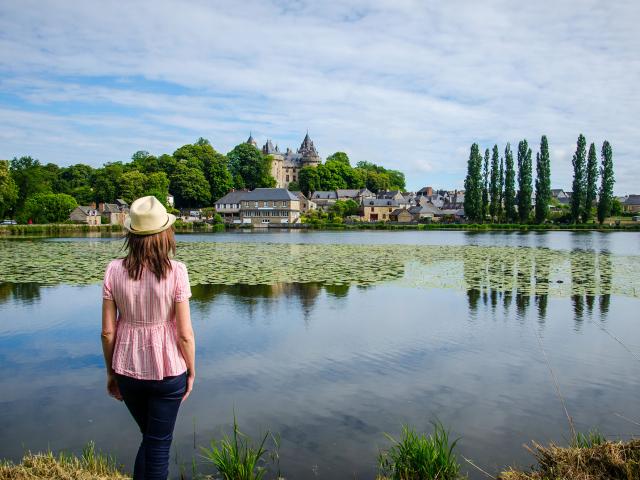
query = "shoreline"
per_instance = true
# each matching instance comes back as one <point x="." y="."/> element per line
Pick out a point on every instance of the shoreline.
<point x="200" y="227"/>
<point x="594" y="461"/>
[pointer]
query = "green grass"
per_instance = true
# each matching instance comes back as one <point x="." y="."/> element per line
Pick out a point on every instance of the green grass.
<point x="418" y="456"/>
<point x="236" y="458"/>
<point x="588" y="440"/>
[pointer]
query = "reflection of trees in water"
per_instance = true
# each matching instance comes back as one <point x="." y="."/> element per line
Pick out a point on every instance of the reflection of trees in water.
<point x="21" y="292"/>
<point x="518" y="274"/>
<point x="251" y="296"/>
<point x="605" y="272"/>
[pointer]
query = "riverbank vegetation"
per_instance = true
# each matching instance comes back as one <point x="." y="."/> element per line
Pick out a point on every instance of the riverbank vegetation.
<point x="414" y="456"/>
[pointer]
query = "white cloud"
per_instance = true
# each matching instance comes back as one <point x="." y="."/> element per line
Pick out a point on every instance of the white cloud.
<point x="407" y="84"/>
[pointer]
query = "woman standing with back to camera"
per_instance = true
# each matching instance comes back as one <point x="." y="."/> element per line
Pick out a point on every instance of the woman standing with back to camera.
<point x="147" y="337"/>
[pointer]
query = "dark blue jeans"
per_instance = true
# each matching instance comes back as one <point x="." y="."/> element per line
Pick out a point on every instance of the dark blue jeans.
<point x="154" y="405"/>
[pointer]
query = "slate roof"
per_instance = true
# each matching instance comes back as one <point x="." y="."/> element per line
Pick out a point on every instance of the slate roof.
<point x="269" y="194"/>
<point x="426" y="208"/>
<point x="350" y="193"/>
<point x="232" y="197"/>
<point x="632" y="200"/>
<point x="398" y="211"/>
<point x="380" y="202"/>
<point x="324" y="194"/>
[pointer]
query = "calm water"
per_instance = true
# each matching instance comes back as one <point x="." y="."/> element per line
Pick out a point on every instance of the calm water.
<point x="332" y="368"/>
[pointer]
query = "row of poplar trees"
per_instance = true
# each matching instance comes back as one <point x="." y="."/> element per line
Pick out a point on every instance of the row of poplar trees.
<point x="490" y="185"/>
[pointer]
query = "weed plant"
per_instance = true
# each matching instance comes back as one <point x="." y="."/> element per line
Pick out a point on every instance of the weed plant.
<point x="236" y="458"/>
<point x="420" y="457"/>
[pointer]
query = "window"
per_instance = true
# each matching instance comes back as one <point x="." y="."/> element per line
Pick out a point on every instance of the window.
<point x="265" y="204"/>
<point x="256" y="204"/>
<point x="287" y="178"/>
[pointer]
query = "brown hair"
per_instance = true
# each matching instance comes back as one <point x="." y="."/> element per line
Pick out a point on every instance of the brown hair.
<point x="149" y="251"/>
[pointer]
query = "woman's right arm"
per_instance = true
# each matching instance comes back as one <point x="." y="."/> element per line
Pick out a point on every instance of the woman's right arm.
<point x="186" y="342"/>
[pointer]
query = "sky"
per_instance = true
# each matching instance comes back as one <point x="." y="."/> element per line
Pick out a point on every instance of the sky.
<point x="406" y="84"/>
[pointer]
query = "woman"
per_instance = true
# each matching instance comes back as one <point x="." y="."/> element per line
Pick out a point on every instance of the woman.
<point x="147" y="337"/>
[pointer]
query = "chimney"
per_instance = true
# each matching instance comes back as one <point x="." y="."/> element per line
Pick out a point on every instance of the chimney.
<point x="429" y="191"/>
<point x="93" y="205"/>
<point x="101" y="207"/>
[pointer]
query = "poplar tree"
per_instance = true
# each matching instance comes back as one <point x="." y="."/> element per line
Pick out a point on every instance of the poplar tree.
<point x="473" y="185"/>
<point x="592" y="183"/>
<point x="606" y="183"/>
<point x="485" y="185"/>
<point x="509" y="185"/>
<point x="543" y="181"/>
<point x="578" y="194"/>
<point x="494" y="187"/>
<point x="501" y="189"/>
<point x="525" y="181"/>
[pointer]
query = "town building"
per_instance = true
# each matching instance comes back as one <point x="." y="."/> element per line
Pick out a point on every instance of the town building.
<point x="286" y="166"/>
<point x="631" y="204"/>
<point x="357" y="195"/>
<point x="229" y="206"/>
<point x="401" y="215"/>
<point x="86" y="214"/>
<point x="380" y="209"/>
<point x="324" y="199"/>
<point x="305" y="204"/>
<point x="264" y="206"/>
<point x="114" y="213"/>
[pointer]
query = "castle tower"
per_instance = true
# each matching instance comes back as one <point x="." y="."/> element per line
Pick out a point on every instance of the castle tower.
<point x="252" y="141"/>
<point x="308" y="153"/>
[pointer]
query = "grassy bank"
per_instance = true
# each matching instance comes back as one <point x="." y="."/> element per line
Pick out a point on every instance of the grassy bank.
<point x="412" y="457"/>
<point x="470" y="227"/>
<point x="54" y="229"/>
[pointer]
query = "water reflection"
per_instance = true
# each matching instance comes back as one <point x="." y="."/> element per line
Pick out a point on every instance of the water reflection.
<point x="25" y="293"/>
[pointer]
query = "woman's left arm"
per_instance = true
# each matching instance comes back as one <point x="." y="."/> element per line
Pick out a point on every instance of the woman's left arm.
<point x="108" y="341"/>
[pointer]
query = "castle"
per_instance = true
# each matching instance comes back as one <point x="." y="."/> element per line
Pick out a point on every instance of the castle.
<point x="286" y="166"/>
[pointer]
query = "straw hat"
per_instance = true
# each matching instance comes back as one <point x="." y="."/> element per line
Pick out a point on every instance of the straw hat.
<point x="147" y="216"/>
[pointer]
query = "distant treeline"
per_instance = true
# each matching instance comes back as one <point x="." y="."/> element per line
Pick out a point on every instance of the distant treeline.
<point x="490" y="185"/>
<point x="195" y="174"/>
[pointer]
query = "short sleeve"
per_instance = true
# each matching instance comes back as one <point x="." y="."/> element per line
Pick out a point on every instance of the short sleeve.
<point x="183" y="289"/>
<point x="106" y="285"/>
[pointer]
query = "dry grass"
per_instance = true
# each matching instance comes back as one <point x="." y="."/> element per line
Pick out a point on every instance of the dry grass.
<point x="90" y="466"/>
<point x="607" y="461"/>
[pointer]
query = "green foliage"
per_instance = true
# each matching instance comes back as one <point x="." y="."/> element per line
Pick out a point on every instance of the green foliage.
<point x="607" y="180"/>
<point x="485" y="185"/>
<point x="376" y="177"/>
<point x="500" y="208"/>
<point x="525" y="181"/>
<point x="344" y="208"/>
<point x="214" y="165"/>
<point x="249" y="164"/>
<point x="157" y="184"/>
<point x="588" y="440"/>
<point x="543" y="181"/>
<point x="189" y="186"/>
<point x="8" y="190"/>
<point x="47" y="208"/>
<point x="579" y="180"/>
<point x="339" y="157"/>
<point x="294" y="186"/>
<point x="473" y="186"/>
<point x="591" y="184"/>
<point x="107" y="181"/>
<point x="418" y="456"/>
<point x="236" y="458"/>
<point x="509" y="185"/>
<point x="30" y="178"/>
<point x="494" y="184"/>
<point x="131" y="185"/>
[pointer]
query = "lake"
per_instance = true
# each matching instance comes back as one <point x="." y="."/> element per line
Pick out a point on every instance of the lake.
<point x="331" y="339"/>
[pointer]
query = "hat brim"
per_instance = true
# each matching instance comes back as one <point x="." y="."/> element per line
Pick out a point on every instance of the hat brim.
<point x="127" y="226"/>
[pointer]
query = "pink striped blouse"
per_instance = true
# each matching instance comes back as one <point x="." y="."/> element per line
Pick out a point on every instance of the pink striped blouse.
<point x="146" y="344"/>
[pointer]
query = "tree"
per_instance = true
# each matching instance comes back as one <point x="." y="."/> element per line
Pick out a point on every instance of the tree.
<point x="48" y="208"/>
<point x="157" y="184"/>
<point x="543" y="181"/>
<point x="30" y="178"/>
<point x="485" y="185"/>
<point x="494" y="187"/>
<point x="308" y="180"/>
<point x="340" y="157"/>
<point x="473" y="186"/>
<point x="294" y="186"/>
<point x="214" y="165"/>
<point x="8" y="189"/>
<point x="509" y="185"/>
<point x="578" y="195"/>
<point x="106" y="181"/>
<point x="247" y="162"/>
<point x="525" y="181"/>
<point x="189" y="186"/>
<point x="132" y="185"/>
<point x="501" y="189"/>
<point x="591" y="183"/>
<point x="605" y="195"/>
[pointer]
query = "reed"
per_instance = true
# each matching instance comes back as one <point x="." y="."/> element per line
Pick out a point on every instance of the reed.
<point x="236" y="458"/>
<point x="418" y="456"/>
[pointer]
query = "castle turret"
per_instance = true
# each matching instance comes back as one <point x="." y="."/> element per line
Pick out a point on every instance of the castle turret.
<point x="268" y="148"/>
<point x="252" y="141"/>
<point x="309" y="154"/>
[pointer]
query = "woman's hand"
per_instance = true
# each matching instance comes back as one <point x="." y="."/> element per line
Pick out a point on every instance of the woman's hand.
<point x="112" y="387"/>
<point x="191" y="376"/>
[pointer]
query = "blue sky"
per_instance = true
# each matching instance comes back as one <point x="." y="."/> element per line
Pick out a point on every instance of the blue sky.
<point x="407" y="84"/>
